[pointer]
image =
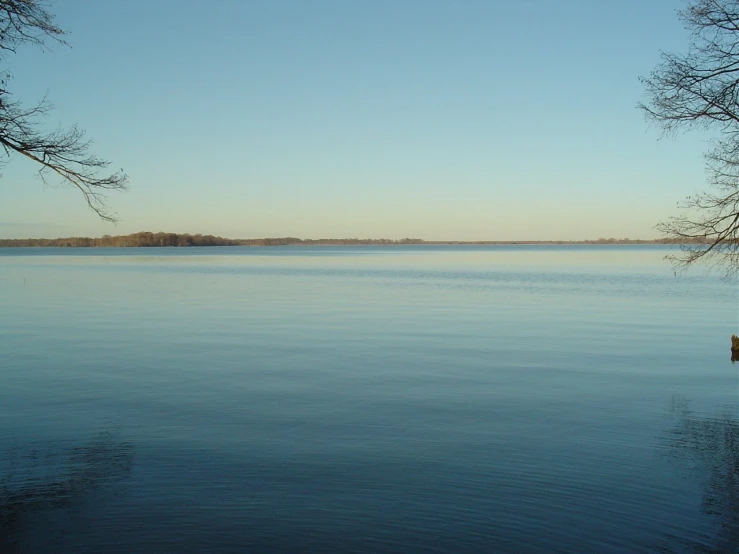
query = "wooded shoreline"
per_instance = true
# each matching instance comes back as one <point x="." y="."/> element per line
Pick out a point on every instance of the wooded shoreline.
<point x="147" y="239"/>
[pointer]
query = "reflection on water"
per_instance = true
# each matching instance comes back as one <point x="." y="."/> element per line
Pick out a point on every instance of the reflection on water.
<point x="419" y="400"/>
<point x="40" y="481"/>
<point x="711" y="444"/>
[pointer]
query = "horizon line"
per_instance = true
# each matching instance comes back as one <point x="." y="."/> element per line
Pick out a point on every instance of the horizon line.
<point x="148" y="238"/>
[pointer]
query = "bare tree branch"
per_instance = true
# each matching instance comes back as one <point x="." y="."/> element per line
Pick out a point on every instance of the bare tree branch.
<point x="64" y="153"/>
<point x="700" y="89"/>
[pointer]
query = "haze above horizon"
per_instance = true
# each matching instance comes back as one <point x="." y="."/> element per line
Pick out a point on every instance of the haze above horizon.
<point x="482" y="120"/>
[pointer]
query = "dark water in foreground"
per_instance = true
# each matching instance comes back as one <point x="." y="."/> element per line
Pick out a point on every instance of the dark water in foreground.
<point x="403" y="399"/>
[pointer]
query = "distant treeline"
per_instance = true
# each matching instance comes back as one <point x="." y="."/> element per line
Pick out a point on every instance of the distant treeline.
<point x="136" y="239"/>
<point x="175" y="239"/>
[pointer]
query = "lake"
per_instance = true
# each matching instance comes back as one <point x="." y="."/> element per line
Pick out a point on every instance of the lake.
<point x="366" y="399"/>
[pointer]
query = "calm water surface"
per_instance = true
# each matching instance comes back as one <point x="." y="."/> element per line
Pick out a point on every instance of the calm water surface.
<point x="366" y="399"/>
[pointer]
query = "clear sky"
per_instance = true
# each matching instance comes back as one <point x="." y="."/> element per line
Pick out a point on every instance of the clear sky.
<point x="491" y="119"/>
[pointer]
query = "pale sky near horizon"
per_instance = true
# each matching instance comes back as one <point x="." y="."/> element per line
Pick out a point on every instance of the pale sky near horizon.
<point x="491" y="120"/>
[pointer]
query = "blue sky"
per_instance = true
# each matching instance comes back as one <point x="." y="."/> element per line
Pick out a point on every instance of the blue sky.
<point x="440" y="120"/>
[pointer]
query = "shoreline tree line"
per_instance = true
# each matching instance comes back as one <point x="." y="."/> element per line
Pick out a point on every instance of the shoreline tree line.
<point x="147" y="239"/>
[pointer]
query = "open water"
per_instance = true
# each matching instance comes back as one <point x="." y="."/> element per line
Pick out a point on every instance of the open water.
<point x="366" y="399"/>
